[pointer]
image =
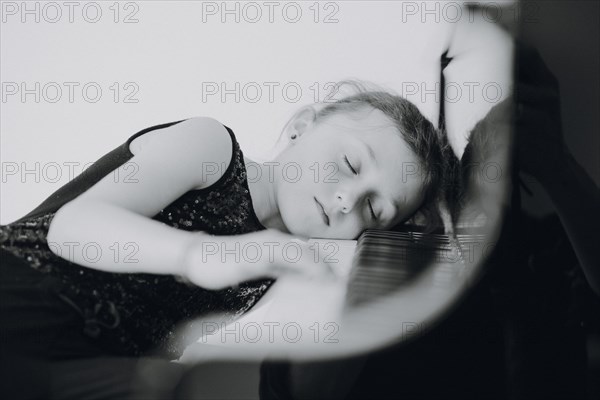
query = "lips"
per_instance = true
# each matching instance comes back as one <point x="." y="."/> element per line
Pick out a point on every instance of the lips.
<point x="322" y="211"/>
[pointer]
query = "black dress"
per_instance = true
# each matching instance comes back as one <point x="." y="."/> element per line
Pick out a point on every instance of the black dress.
<point x="52" y="309"/>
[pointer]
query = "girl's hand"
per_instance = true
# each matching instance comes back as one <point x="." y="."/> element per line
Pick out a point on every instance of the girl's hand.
<point x="217" y="262"/>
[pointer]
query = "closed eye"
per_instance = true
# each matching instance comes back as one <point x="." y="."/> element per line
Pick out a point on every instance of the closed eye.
<point x="350" y="165"/>
<point x="371" y="209"/>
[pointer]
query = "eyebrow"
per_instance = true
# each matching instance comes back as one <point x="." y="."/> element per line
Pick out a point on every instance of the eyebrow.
<point x="396" y="203"/>
<point x="370" y="152"/>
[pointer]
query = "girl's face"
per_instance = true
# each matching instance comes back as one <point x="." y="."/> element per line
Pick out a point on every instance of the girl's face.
<point x="345" y="173"/>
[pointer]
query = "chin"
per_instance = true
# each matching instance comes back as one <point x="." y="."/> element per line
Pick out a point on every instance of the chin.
<point x="295" y="222"/>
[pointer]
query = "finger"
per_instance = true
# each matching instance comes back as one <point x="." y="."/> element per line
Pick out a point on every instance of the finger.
<point x="297" y="257"/>
<point x="321" y="268"/>
<point x="304" y="266"/>
<point x="320" y="262"/>
<point x="305" y="261"/>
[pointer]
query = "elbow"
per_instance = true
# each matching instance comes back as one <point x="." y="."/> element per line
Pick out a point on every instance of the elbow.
<point x="67" y="222"/>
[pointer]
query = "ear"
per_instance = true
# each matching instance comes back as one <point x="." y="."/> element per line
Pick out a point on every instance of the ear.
<point x="300" y="122"/>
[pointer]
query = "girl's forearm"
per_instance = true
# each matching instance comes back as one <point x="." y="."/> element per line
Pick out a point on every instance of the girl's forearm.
<point x="109" y="238"/>
<point x="577" y="200"/>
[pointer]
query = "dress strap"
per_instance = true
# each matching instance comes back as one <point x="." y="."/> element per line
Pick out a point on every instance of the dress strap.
<point x="102" y="167"/>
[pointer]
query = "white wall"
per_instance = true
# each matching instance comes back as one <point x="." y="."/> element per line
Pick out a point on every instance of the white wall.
<point x="169" y="54"/>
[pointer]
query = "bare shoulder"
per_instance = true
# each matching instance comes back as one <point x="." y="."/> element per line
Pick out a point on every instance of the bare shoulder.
<point x="202" y="144"/>
<point x="190" y="131"/>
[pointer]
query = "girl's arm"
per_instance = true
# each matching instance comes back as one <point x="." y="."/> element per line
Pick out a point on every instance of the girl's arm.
<point x="108" y="226"/>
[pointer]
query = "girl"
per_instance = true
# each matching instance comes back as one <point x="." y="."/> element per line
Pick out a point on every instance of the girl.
<point x="111" y="266"/>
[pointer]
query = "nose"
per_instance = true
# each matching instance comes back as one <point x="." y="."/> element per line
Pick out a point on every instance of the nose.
<point x="346" y="200"/>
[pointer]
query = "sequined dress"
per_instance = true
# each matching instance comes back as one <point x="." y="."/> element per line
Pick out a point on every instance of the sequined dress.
<point x="60" y="309"/>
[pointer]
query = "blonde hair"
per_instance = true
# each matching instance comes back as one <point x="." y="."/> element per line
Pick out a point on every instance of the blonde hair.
<point x="418" y="132"/>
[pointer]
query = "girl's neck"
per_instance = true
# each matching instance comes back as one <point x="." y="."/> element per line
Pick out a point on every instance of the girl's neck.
<point x="262" y="192"/>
